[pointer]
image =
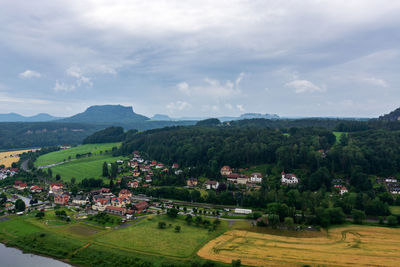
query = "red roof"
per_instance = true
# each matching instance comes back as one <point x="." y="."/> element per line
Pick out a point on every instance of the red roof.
<point x="57" y="184"/>
<point x="105" y="190"/>
<point x="141" y="205"/>
<point x="17" y="182"/>
<point x="125" y="191"/>
<point x="116" y="208"/>
<point x="233" y="175"/>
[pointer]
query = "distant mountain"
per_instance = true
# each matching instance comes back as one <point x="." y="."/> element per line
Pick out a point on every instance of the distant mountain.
<point x="392" y="116"/>
<point x="161" y="117"/>
<point x="14" y="117"/>
<point x="107" y="114"/>
<point x="259" y="116"/>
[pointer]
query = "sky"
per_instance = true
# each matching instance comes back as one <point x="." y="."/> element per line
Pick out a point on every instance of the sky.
<point x="201" y="58"/>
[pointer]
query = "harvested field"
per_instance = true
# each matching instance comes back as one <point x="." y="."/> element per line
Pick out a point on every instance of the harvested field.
<point x="344" y="246"/>
<point x="9" y="157"/>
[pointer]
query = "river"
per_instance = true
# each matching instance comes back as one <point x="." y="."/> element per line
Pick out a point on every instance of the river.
<point x="12" y="257"/>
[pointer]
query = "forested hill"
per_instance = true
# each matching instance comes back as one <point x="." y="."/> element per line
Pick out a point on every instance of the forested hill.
<point x="392" y="116"/>
<point x="109" y="135"/>
<point x="307" y="150"/>
<point x="40" y="134"/>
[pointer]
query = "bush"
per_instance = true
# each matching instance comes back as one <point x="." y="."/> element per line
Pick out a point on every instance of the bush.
<point x="173" y="213"/>
<point x="391" y="220"/>
<point x="177" y="229"/>
<point x="236" y="263"/>
<point x="358" y="216"/>
<point x="162" y="225"/>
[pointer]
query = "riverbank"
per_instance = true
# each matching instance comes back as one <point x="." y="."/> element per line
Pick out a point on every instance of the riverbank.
<point x="11" y="256"/>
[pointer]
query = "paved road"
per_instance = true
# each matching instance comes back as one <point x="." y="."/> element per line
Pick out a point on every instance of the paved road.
<point x="24" y="165"/>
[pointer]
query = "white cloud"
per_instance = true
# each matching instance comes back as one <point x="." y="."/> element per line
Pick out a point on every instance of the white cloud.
<point x="375" y="81"/>
<point x="30" y="74"/>
<point x="77" y="73"/>
<point x="63" y="87"/>
<point x="304" y="86"/>
<point x="240" y="108"/>
<point x="178" y="106"/>
<point x="212" y="88"/>
<point x="228" y="106"/>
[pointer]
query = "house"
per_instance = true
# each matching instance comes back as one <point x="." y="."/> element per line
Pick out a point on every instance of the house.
<point x="120" y="202"/>
<point x="120" y="161"/>
<point x="390" y="180"/>
<point x="395" y="190"/>
<point x="256" y="177"/>
<point x="242" y="179"/>
<point x="175" y="166"/>
<point x="289" y="178"/>
<point x="177" y="172"/>
<point x="36" y="189"/>
<point x="191" y="182"/>
<point x="232" y="177"/>
<point x="115" y="210"/>
<point x="125" y="193"/>
<point x="19" y="185"/>
<point x="140" y="207"/>
<point x="133" y="163"/>
<point x="148" y="179"/>
<point x="343" y="190"/>
<point x="56" y="187"/>
<point x="61" y="199"/>
<point x="100" y="204"/>
<point x="226" y="170"/>
<point x="212" y="185"/>
<point x="134" y="184"/>
<point x="159" y="166"/>
<point x="243" y="211"/>
<point x="80" y="200"/>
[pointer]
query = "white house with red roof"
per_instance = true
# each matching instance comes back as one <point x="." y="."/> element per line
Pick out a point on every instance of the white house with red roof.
<point x="289" y="178"/>
<point x="343" y="190"/>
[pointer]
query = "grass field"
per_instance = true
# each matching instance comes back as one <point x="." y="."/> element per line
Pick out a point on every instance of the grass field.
<point x="61" y="155"/>
<point x="395" y="210"/>
<point x="87" y="245"/>
<point x="146" y="237"/>
<point x="338" y="135"/>
<point x="90" y="167"/>
<point x="9" y="157"/>
<point x="341" y="246"/>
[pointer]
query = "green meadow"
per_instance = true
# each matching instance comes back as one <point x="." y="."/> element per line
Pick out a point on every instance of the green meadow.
<point x="63" y="155"/>
<point x="90" y="167"/>
<point x="139" y="244"/>
<point x="146" y="237"/>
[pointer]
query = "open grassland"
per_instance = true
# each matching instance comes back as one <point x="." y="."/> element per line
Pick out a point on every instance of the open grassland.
<point x="395" y="210"/>
<point x="82" y="244"/>
<point x="338" y="135"/>
<point x="146" y="237"/>
<point x="341" y="246"/>
<point x="9" y="157"/>
<point x="90" y="167"/>
<point x="63" y="155"/>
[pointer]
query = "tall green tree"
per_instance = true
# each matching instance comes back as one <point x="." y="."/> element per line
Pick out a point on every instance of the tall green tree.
<point x="105" y="169"/>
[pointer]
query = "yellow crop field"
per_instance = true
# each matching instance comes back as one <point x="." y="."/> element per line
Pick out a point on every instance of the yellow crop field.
<point x="7" y="158"/>
<point x="344" y="246"/>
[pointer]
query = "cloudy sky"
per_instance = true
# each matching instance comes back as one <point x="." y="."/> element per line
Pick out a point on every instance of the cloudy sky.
<point x="201" y="58"/>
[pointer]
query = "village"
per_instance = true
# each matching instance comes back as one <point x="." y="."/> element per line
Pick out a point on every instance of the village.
<point x="125" y="204"/>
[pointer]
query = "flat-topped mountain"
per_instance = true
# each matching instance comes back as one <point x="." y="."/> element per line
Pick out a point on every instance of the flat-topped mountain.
<point x="107" y="114"/>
